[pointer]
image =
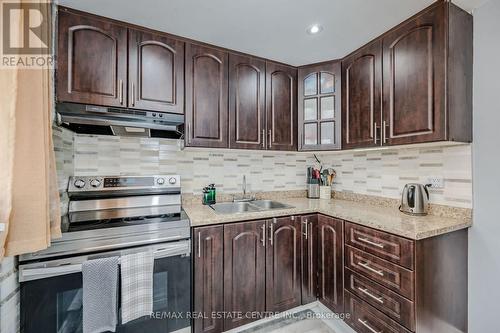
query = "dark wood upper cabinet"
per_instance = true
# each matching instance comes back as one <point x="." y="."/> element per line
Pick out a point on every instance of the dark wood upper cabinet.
<point x="283" y="286"/>
<point x="208" y="278"/>
<point x="91" y="60"/>
<point x="206" y="97"/>
<point x="331" y="266"/>
<point x="247" y="82"/>
<point x="418" y="65"/>
<point x="309" y="257"/>
<point x="156" y="72"/>
<point x="361" y="97"/>
<point x="413" y="84"/>
<point x="244" y="270"/>
<point x="319" y="107"/>
<point x="414" y="80"/>
<point x="281" y="106"/>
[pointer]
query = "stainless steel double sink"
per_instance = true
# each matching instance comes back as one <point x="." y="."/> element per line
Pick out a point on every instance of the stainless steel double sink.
<point x="248" y="206"/>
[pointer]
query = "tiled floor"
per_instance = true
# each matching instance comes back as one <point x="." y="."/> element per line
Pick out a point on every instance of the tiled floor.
<point x="313" y="318"/>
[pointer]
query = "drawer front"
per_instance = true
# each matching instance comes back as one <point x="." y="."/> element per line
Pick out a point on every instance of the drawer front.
<point x="390" y="303"/>
<point x="366" y="319"/>
<point x="386" y="246"/>
<point x="389" y="275"/>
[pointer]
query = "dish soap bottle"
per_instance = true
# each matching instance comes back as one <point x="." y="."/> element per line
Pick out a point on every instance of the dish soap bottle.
<point x="209" y="195"/>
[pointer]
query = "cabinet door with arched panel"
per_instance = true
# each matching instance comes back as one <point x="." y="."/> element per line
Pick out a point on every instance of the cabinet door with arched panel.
<point x="206" y="96"/>
<point x="319" y="106"/>
<point x="414" y="85"/>
<point x="281" y="104"/>
<point x="247" y="104"/>
<point x="361" y="100"/>
<point x="91" y="60"/>
<point x="156" y="72"/>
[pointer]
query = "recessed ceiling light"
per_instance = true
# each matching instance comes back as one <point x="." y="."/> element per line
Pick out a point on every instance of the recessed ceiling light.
<point x="314" y="29"/>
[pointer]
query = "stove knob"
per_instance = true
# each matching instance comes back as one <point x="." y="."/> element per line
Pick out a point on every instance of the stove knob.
<point x="79" y="183"/>
<point x="172" y="180"/>
<point x="95" y="183"/>
<point x="160" y="181"/>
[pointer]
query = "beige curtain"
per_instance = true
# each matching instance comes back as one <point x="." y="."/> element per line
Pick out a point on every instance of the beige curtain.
<point x="29" y="199"/>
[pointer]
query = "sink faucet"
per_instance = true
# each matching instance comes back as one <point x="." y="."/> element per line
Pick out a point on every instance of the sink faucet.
<point x="244" y="190"/>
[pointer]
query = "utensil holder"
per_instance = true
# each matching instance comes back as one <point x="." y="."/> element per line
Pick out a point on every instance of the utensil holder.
<point x="313" y="191"/>
<point x="325" y="192"/>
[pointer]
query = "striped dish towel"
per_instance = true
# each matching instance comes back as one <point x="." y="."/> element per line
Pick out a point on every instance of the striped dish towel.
<point x="136" y="285"/>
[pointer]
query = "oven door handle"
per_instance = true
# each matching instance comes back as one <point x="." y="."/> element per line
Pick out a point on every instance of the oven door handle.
<point x="36" y="273"/>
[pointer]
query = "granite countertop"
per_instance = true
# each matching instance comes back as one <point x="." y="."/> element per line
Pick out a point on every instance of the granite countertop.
<point x="387" y="219"/>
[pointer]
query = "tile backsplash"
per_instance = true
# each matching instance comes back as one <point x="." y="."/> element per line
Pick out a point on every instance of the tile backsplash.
<point x="377" y="172"/>
<point x="385" y="172"/>
<point x="265" y="171"/>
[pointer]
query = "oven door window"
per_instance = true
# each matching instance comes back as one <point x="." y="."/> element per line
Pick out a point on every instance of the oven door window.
<point x="54" y="305"/>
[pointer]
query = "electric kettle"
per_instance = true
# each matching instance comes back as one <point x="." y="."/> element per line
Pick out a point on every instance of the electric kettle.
<point x="415" y="199"/>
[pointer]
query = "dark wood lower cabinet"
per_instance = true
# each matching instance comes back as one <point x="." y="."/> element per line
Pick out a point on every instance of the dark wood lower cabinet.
<point x="366" y="319"/>
<point x="309" y="229"/>
<point x="275" y="265"/>
<point x="208" y="278"/>
<point x="330" y="265"/>
<point x="244" y="271"/>
<point x="381" y="296"/>
<point x="394" y="277"/>
<point x="283" y="287"/>
<point x="390" y="303"/>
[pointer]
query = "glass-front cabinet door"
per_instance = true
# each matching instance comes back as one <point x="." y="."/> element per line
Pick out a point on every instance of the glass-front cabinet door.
<point x="319" y="107"/>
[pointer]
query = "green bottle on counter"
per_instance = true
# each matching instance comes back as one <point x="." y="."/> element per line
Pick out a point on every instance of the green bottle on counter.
<point x="209" y="195"/>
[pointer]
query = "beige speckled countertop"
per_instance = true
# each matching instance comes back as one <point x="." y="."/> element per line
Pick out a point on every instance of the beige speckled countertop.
<point x="382" y="218"/>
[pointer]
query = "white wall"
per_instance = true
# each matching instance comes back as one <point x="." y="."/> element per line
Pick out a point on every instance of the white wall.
<point x="484" y="236"/>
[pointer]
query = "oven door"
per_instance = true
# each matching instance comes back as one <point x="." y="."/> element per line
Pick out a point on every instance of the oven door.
<point x="51" y="292"/>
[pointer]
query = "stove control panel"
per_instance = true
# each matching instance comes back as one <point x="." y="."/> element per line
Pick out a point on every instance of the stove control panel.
<point x="117" y="183"/>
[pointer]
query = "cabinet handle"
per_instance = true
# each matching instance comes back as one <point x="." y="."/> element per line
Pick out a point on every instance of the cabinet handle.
<point x="263" y="139"/>
<point x="199" y="244"/>
<point x="367" y="241"/>
<point x="384" y="131"/>
<point x="269" y="144"/>
<point x="304" y="223"/>
<point x="271" y="231"/>
<point x="188" y="134"/>
<point x="366" y="292"/>
<point x="371" y="269"/>
<point x="133" y="94"/>
<point x="365" y="324"/>
<point x="120" y="91"/>
<point x="375" y="139"/>
<point x="263" y="235"/>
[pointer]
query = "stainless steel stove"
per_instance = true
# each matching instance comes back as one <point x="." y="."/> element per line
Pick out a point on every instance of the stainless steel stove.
<point x="119" y="211"/>
<point x="111" y="216"/>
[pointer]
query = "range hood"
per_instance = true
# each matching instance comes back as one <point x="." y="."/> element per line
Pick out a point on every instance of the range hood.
<point x="91" y="119"/>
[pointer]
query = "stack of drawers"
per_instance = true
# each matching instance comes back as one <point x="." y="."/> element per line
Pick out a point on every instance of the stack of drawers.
<point x="379" y="280"/>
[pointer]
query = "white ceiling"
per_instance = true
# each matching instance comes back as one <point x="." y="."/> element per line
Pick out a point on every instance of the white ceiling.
<point x="274" y="29"/>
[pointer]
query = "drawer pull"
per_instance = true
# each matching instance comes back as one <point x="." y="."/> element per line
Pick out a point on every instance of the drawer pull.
<point x="365" y="324"/>
<point x="367" y="241"/>
<point x="369" y="294"/>
<point x="371" y="269"/>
